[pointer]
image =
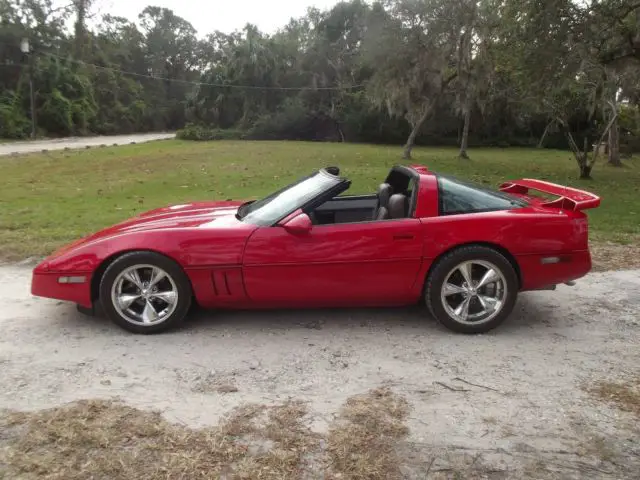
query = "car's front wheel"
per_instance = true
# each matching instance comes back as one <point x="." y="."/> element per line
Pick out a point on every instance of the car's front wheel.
<point x="145" y="292"/>
<point x="472" y="289"/>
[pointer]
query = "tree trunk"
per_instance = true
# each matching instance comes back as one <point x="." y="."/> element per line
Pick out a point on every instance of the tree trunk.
<point x="614" y="145"/>
<point x="585" y="169"/>
<point x="465" y="135"/>
<point x="406" y="154"/>
<point x="246" y="110"/>
<point x="544" y="135"/>
<point x="81" y="12"/>
<point x="583" y="161"/>
<point x="582" y="156"/>
<point x="340" y="132"/>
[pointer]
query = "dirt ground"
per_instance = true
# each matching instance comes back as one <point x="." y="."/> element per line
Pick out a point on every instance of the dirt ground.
<point x="514" y="403"/>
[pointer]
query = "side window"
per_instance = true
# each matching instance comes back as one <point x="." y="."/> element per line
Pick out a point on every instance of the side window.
<point x="457" y="197"/>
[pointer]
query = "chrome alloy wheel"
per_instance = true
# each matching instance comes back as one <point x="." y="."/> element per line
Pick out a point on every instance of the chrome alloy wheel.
<point x="474" y="292"/>
<point x="144" y="295"/>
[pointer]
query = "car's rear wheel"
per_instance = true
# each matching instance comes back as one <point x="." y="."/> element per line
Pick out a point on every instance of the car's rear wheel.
<point x="145" y="292"/>
<point x="472" y="289"/>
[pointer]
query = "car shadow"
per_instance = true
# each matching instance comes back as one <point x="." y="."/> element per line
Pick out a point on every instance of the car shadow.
<point x="315" y="319"/>
<point x="529" y="313"/>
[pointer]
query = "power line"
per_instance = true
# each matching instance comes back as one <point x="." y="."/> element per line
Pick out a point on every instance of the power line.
<point x="187" y="82"/>
<point x="204" y="84"/>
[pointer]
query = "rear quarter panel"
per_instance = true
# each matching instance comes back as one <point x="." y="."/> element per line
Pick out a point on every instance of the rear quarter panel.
<point x="527" y="234"/>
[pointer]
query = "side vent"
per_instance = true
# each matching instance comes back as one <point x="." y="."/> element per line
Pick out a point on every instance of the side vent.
<point x="227" y="283"/>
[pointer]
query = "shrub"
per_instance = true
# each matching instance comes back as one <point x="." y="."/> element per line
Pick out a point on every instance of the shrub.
<point x="292" y="121"/>
<point x="204" y="133"/>
<point x="13" y="122"/>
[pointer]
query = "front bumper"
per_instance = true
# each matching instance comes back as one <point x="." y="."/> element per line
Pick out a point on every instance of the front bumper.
<point x="54" y="285"/>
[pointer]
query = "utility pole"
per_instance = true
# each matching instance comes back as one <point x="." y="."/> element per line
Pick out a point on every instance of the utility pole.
<point x="24" y="47"/>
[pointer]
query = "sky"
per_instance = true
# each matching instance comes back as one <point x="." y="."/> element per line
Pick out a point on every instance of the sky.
<point x="225" y="15"/>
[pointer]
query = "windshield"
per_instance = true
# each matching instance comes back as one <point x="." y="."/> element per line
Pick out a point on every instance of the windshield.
<point x="457" y="196"/>
<point x="281" y="203"/>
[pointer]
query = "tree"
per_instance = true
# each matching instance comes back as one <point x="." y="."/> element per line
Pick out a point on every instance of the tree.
<point x="334" y="61"/>
<point x="615" y="26"/>
<point x="169" y="50"/>
<point x="455" y="72"/>
<point x="552" y="53"/>
<point x="81" y="7"/>
<point x="468" y="67"/>
<point x="412" y="45"/>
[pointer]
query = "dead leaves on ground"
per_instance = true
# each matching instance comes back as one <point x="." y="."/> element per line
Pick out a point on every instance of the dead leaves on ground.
<point x="108" y="440"/>
<point x="103" y="440"/>
<point x="625" y="395"/>
<point x="607" y="256"/>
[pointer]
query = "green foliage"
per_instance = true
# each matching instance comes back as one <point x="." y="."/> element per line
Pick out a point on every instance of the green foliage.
<point x="56" y="113"/>
<point x="293" y="121"/>
<point x="629" y="121"/>
<point x="67" y="104"/>
<point x="204" y="133"/>
<point x="358" y="72"/>
<point x="76" y="98"/>
<point x="13" y="121"/>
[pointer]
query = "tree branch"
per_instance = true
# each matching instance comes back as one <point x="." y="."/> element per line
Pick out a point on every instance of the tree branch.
<point x="572" y="143"/>
<point x="630" y="8"/>
<point x="451" y="78"/>
<point x="606" y="130"/>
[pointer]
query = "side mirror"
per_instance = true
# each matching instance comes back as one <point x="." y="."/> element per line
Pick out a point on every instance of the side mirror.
<point x="298" y="225"/>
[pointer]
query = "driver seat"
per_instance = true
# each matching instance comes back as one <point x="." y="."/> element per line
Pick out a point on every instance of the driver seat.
<point x="381" y="211"/>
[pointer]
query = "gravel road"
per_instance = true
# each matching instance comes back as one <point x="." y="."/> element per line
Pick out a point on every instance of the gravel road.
<point x="79" y="142"/>
<point x="527" y="401"/>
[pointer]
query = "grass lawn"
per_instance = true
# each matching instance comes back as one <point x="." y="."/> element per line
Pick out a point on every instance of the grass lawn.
<point x="48" y="199"/>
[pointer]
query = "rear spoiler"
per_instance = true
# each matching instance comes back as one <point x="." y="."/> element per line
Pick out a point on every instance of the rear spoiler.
<point x="569" y="198"/>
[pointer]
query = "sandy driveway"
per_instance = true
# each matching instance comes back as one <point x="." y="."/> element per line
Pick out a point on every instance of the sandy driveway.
<point x="80" y="142"/>
<point x="527" y="404"/>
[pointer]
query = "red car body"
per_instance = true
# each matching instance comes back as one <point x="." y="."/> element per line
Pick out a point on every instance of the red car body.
<point x="233" y="264"/>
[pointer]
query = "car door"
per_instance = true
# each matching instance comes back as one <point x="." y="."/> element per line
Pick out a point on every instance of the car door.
<point x="353" y="263"/>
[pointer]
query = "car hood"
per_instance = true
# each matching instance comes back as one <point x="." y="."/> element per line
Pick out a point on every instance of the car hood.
<point x="219" y="214"/>
<point x="198" y="212"/>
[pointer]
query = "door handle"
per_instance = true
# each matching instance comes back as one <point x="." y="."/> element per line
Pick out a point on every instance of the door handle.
<point x="403" y="236"/>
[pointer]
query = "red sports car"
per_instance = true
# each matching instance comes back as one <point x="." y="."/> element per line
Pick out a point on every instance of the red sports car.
<point x="463" y="249"/>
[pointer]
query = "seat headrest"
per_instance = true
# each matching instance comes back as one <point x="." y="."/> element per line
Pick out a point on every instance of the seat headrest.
<point x="398" y="206"/>
<point x="384" y="193"/>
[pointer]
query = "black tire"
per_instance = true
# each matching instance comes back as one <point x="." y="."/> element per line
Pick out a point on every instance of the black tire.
<point x="171" y="268"/>
<point x="440" y="272"/>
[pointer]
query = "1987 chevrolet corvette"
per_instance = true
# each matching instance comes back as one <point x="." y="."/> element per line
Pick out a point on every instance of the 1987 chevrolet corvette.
<point x="464" y="250"/>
